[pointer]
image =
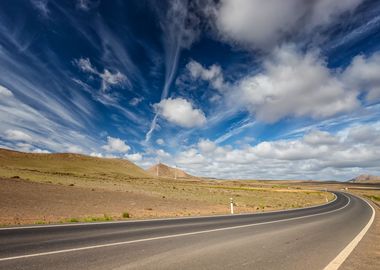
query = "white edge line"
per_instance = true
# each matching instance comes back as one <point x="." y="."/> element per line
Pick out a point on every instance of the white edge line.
<point x="342" y="256"/>
<point x="162" y="219"/>
<point x="167" y="236"/>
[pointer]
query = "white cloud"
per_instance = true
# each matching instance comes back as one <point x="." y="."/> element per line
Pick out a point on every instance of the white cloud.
<point x="74" y="149"/>
<point x="318" y="137"/>
<point x="293" y="84"/>
<point x="26" y="147"/>
<point x="95" y="154"/>
<point x="263" y="24"/>
<point x="116" y="145"/>
<point x="5" y="92"/>
<point x="160" y="141"/>
<point x="180" y="112"/>
<point x="17" y="135"/>
<point x="213" y="74"/>
<point x="85" y="65"/>
<point x="134" y="157"/>
<point x="162" y="153"/>
<point x="363" y="73"/>
<point x="316" y="155"/>
<point x="40" y="151"/>
<point x="190" y="157"/>
<point x="107" y="77"/>
<point x="206" y="146"/>
<point x="135" y="101"/>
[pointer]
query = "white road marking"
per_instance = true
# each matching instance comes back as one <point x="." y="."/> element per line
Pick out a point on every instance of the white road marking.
<point x="159" y="219"/>
<point x="342" y="256"/>
<point x="167" y="236"/>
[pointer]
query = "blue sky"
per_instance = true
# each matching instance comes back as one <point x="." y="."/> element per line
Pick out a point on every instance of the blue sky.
<point x="231" y="89"/>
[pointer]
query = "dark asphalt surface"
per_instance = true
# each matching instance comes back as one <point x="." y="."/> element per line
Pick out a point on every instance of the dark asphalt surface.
<point x="297" y="239"/>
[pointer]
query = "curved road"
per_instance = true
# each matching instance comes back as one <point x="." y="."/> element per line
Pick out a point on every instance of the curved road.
<point x="308" y="238"/>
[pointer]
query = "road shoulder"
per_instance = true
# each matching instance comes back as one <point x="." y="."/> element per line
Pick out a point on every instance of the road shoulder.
<point x="366" y="255"/>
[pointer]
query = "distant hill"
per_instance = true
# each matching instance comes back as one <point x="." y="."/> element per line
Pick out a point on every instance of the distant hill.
<point x="365" y="178"/>
<point x="168" y="172"/>
<point x="36" y="166"/>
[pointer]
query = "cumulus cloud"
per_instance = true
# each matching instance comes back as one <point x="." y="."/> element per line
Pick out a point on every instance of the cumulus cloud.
<point x="206" y="146"/>
<point x="179" y="111"/>
<point x="134" y="157"/>
<point x="263" y="24"/>
<point x="96" y="154"/>
<point x="160" y="141"/>
<point x="107" y="77"/>
<point x="116" y="145"/>
<point x="293" y="84"/>
<point x="213" y="74"/>
<point x="17" y="135"/>
<point x="316" y="155"/>
<point x="74" y="149"/>
<point x="26" y="147"/>
<point x="363" y="73"/>
<point x="162" y="154"/>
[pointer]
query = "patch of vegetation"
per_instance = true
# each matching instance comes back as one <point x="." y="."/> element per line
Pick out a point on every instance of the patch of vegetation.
<point x="40" y="222"/>
<point x="126" y="215"/>
<point x="90" y="219"/>
<point x="373" y="197"/>
<point x="73" y="220"/>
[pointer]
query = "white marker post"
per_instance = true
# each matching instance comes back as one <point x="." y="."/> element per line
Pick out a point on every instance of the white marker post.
<point x="175" y="172"/>
<point x="158" y="165"/>
<point x="232" y="205"/>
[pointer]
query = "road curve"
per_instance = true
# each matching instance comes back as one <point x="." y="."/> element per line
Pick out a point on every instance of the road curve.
<point x="308" y="238"/>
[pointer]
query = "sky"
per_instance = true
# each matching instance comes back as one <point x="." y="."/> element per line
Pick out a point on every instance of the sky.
<point x="244" y="89"/>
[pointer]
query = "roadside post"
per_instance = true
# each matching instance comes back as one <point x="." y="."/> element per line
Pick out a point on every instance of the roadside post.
<point x="232" y="205"/>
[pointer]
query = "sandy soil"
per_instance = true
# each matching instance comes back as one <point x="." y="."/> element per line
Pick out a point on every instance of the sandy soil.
<point x="25" y="202"/>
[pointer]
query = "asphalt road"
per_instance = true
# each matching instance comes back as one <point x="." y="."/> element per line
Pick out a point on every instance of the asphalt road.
<point x="307" y="238"/>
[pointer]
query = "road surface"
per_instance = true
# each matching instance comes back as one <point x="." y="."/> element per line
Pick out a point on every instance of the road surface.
<point x="307" y="238"/>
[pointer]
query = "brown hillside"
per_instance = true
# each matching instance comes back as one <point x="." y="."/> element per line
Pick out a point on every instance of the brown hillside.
<point x="366" y="178"/>
<point x="27" y="165"/>
<point x="168" y="172"/>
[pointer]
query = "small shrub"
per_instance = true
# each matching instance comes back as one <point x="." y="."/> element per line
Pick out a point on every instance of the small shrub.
<point x="126" y="215"/>
<point x="40" y="222"/>
<point x="73" y="220"/>
<point x="107" y="218"/>
<point x="71" y="185"/>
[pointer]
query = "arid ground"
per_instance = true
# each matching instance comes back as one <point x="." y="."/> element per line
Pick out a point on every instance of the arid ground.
<point x="46" y="188"/>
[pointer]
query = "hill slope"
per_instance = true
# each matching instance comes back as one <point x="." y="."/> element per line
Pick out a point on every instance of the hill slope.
<point x="168" y="172"/>
<point x="366" y="178"/>
<point x="32" y="165"/>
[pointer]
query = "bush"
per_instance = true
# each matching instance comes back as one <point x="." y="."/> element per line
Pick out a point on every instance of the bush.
<point x="126" y="215"/>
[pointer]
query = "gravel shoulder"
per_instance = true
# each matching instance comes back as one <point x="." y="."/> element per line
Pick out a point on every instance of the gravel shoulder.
<point x="366" y="256"/>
